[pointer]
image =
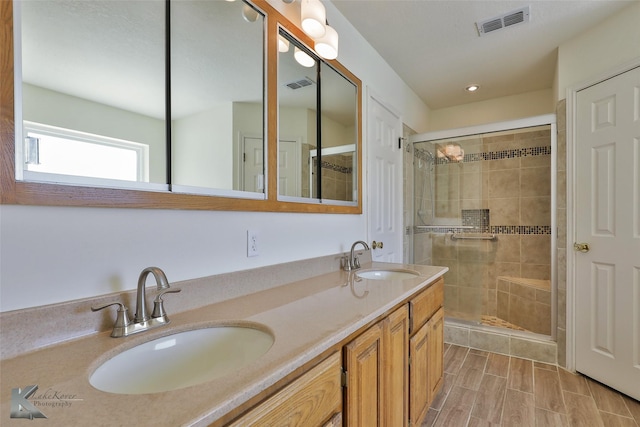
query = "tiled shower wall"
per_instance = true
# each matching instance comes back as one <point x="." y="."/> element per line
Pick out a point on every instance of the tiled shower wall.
<point x="337" y="176"/>
<point x="521" y="250"/>
<point x="505" y="179"/>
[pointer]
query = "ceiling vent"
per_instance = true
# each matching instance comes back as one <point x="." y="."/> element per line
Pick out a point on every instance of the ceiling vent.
<point x="297" y="84"/>
<point x="503" y="21"/>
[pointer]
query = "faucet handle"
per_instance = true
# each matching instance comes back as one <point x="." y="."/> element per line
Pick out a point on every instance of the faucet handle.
<point x="346" y="264"/>
<point x="158" y="306"/>
<point x="356" y="262"/>
<point x="122" y="318"/>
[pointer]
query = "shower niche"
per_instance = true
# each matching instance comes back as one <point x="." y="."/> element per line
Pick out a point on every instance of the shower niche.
<point x="483" y="207"/>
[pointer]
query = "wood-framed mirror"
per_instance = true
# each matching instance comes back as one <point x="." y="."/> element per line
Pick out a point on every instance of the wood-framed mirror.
<point x="156" y="184"/>
<point x="318" y="135"/>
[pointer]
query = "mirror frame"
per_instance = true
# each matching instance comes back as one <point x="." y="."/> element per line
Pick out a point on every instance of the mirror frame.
<point x="14" y="192"/>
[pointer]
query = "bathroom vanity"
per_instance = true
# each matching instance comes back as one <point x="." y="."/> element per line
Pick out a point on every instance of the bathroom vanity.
<point x="347" y="350"/>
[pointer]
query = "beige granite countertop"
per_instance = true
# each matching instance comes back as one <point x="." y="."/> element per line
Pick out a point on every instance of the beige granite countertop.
<point x="306" y="317"/>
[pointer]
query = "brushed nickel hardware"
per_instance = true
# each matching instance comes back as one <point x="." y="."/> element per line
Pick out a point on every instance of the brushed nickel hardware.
<point x="352" y="262"/>
<point x="581" y="247"/>
<point x="377" y="245"/>
<point x="158" y="303"/>
<point x="462" y="236"/>
<point x="124" y="326"/>
<point x="122" y="319"/>
<point x="452" y="226"/>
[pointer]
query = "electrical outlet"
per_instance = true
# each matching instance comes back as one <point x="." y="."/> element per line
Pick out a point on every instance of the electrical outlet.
<point x="252" y="243"/>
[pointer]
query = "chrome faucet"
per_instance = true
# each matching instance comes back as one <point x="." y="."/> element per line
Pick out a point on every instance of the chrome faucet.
<point x="141" y="321"/>
<point x="353" y="263"/>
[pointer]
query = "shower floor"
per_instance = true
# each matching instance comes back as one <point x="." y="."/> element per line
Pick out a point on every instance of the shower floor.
<point x="496" y="321"/>
<point x="487" y="320"/>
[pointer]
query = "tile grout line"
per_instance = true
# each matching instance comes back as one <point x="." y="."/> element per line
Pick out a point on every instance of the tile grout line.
<point x="564" y="402"/>
<point x="506" y="387"/>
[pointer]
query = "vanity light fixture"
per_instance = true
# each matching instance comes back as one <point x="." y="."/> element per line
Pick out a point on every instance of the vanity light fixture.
<point x="472" y="88"/>
<point x="451" y="151"/>
<point x="313" y="17"/>
<point x="327" y="45"/>
<point x="303" y="58"/>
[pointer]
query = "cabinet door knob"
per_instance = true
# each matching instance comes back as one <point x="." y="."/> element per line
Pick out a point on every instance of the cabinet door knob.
<point x="581" y="247"/>
<point x="376" y="245"/>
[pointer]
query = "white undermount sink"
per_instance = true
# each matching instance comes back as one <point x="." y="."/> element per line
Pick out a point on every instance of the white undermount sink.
<point x="182" y="359"/>
<point x="388" y="274"/>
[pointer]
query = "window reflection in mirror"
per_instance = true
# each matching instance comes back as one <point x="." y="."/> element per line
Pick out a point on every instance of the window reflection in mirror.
<point x="313" y="145"/>
<point x="217" y="97"/>
<point x="93" y="88"/>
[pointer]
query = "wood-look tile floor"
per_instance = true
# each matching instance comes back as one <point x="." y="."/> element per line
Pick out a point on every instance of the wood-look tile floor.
<point x="489" y="389"/>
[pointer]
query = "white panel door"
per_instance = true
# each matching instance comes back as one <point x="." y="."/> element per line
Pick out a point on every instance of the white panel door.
<point x="289" y="178"/>
<point x="253" y="164"/>
<point x="385" y="183"/>
<point x="608" y="220"/>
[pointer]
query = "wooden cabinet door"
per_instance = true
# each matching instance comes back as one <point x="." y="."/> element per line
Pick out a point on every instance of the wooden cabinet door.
<point x="419" y="398"/>
<point x="436" y="353"/>
<point x="396" y="366"/>
<point x="365" y="377"/>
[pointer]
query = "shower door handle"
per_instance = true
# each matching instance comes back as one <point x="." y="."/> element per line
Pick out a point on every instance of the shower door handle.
<point x="581" y="247"/>
<point x="376" y="245"/>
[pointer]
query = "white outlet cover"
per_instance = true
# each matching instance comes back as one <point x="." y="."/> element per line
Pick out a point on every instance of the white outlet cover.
<point x="252" y="243"/>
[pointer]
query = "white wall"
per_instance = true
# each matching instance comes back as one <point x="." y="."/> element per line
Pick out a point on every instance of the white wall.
<point x="50" y="254"/>
<point x="502" y="109"/>
<point x="202" y="146"/>
<point x="611" y="43"/>
<point x="54" y="254"/>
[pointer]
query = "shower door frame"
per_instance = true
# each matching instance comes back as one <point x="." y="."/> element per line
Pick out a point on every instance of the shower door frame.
<point x="542" y="120"/>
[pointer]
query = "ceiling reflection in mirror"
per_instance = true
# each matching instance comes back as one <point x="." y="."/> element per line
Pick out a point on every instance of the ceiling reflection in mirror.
<point x="317" y="155"/>
<point x="93" y="91"/>
<point x="217" y="97"/>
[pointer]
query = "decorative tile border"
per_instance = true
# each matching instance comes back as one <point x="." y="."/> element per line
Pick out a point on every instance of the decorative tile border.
<point x="508" y="154"/>
<point x="493" y="229"/>
<point x="425" y="155"/>
<point x="334" y="167"/>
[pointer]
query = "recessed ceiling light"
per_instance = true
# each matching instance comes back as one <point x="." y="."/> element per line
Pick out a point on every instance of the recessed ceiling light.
<point x="472" y="88"/>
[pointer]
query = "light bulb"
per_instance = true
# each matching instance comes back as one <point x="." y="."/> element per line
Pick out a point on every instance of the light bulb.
<point x="313" y="17"/>
<point x="303" y="58"/>
<point x="327" y="45"/>
<point x="249" y="14"/>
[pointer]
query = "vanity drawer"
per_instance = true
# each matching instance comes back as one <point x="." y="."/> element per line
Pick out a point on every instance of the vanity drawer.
<point x="426" y="303"/>
<point x="310" y="400"/>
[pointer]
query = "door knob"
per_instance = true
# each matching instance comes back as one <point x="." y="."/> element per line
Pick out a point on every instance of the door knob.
<point x="376" y="245"/>
<point x="581" y="247"/>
